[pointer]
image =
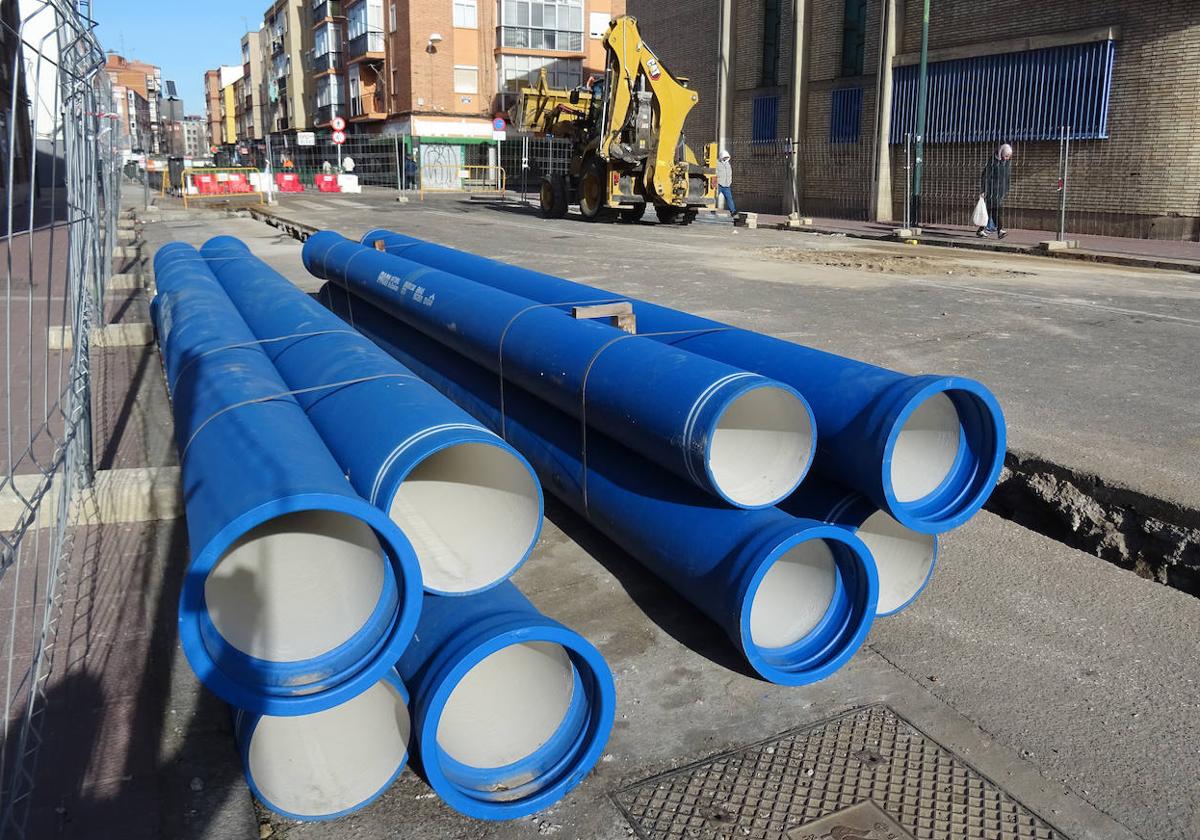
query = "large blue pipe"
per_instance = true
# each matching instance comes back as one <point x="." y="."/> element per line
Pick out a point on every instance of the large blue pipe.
<point x="904" y="558"/>
<point x="299" y="595"/>
<point x="738" y="435"/>
<point x="927" y="449"/>
<point x="327" y="764"/>
<point x="796" y="596"/>
<point x="511" y="710"/>
<point x="467" y="501"/>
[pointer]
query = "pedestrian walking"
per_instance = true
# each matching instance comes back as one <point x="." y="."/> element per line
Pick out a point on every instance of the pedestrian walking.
<point x="994" y="184"/>
<point x="725" y="181"/>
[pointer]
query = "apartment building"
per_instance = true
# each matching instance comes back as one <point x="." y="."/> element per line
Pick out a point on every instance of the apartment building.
<point x="134" y="133"/>
<point x="447" y="69"/>
<point x="145" y="80"/>
<point x="1123" y="76"/>
<point x="195" y="136"/>
<point x="212" y="106"/>
<point x="287" y="35"/>
<point x="326" y="63"/>
<point x="252" y="96"/>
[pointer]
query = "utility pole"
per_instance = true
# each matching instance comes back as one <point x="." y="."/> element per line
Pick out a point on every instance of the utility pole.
<point x="922" y="98"/>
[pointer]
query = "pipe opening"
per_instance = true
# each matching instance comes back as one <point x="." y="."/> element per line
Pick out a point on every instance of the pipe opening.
<point x="794" y="595"/>
<point x="323" y="764"/>
<point x="761" y="446"/>
<point x="297" y="586"/>
<point x="508" y="706"/>
<point x="904" y="559"/>
<point x="472" y="513"/>
<point x="926" y="449"/>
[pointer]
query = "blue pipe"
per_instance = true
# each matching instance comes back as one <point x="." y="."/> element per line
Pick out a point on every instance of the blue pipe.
<point x="511" y="710"/>
<point x="468" y="502"/>
<point x="904" y="558"/>
<point x="796" y="596"/>
<point x="734" y="434"/>
<point x="260" y="484"/>
<point x="874" y="426"/>
<point x="325" y="765"/>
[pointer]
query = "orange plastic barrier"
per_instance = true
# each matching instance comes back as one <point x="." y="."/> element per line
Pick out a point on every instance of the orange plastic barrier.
<point x="237" y="182"/>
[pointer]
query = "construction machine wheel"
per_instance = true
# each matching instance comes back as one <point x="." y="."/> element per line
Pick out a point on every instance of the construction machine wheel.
<point x="632" y="215"/>
<point x="593" y="190"/>
<point x="553" y="197"/>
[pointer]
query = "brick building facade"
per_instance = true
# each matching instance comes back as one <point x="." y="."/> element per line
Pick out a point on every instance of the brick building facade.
<point x="1127" y="76"/>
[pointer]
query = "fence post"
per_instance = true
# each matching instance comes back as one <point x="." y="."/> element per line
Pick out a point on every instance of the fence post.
<point x="908" y="181"/>
<point x="399" y="169"/>
<point x="1064" y="154"/>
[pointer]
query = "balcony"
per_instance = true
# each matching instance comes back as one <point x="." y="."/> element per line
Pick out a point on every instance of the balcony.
<point x="323" y="63"/>
<point x="367" y="45"/>
<point x="524" y="37"/>
<point x="324" y="9"/>
<point x="367" y="108"/>
<point x="277" y="45"/>
<point x="324" y="114"/>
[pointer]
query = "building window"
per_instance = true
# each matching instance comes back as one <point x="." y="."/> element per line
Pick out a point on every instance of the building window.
<point x="772" y="24"/>
<point x="845" y="114"/>
<point x="329" y="91"/>
<point x="466" y="79"/>
<point x="364" y="27"/>
<point x="1030" y="95"/>
<point x="517" y="71"/>
<point x="392" y="17"/>
<point x="854" y="37"/>
<point x="765" y="120"/>
<point x="542" y="24"/>
<point x="465" y="14"/>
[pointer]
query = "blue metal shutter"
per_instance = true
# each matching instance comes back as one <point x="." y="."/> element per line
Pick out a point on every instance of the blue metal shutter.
<point x="845" y="114"/>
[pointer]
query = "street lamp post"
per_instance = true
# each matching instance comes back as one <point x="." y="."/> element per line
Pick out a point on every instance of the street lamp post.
<point x="922" y="100"/>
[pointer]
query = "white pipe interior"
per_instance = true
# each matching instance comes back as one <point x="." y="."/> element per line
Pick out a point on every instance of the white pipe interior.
<point x="296" y="586"/>
<point x="471" y="512"/>
<point x="324" y="763"/>
<point x="508" y="705"/>
<point x="761" y="446"/>
<point x="925" y="449"/>
<point x="904" y="558"/>
<point x="794" y="595"/>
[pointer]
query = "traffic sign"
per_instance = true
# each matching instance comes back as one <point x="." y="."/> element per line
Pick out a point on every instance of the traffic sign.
<point x="499" y="124"/>
<point x="306" y="138"/>
<point x="338" y="123"/>
<point x="212" y="149"/>
<point x="339" y="137"/>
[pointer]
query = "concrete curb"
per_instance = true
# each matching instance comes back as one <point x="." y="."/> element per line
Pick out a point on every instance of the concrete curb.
<point x="142" y="494"/>
<point x="114" y="335"/>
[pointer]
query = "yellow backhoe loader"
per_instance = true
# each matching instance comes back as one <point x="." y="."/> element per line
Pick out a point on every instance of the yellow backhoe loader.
<point x="626" y="128"/>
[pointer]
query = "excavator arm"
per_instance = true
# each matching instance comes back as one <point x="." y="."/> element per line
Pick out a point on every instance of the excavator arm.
<point x="632" y="66"/>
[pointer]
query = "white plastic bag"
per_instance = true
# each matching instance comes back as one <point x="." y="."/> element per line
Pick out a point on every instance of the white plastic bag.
<point x="980" y="217"/>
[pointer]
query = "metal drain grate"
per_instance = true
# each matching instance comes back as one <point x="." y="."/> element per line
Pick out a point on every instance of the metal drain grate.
<point x="865" y="775"/>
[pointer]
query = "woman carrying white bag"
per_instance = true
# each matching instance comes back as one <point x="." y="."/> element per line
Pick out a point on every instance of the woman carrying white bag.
<point x="994" y="183"/>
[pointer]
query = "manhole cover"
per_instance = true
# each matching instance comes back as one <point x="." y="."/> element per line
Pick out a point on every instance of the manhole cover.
<point x="866" y="775"/>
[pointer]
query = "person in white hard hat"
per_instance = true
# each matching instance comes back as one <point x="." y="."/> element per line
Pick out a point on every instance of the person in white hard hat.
<point x="725" y="181"/>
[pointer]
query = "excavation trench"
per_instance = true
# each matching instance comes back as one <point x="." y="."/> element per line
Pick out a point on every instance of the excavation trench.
<point x="1157" y="539"/>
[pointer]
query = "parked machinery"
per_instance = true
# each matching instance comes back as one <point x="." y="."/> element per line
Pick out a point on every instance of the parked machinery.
<point x="626" y="128"/>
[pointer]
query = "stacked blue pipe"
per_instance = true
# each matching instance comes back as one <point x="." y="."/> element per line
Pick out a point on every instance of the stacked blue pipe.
<point x="272" y="394"/>
<point x="796" y="596"/>
<point x="327" y="764"/>
<point x="299" y="594"/>
<point x="904" y="558"/>
<point x="510" y="709"/>
<point x="926" y="449"/>
<point x="742" y="437"/>
<point x="468" y="502"/>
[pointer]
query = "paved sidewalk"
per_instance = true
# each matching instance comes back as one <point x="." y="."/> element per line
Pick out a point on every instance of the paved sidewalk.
<point x="1148" y="253"/>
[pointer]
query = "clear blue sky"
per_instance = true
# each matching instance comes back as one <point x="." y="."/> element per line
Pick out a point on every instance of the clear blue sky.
<point x="183" y="37"/>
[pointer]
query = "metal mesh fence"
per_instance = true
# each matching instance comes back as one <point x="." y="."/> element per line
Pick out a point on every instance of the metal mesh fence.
<point x="60" y="183"/>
